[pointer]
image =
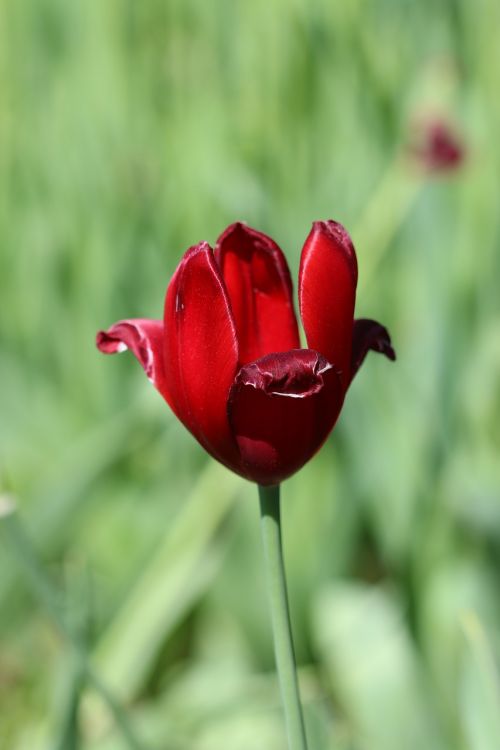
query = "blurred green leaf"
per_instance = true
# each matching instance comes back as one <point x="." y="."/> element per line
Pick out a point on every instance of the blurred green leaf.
<point x="479" y="688"/>
<point x="373" y="668"/>
<point x="184" y="563"/>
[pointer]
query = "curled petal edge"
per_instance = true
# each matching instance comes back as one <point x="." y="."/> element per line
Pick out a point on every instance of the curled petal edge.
<point x="144" y="338"/>
<point x="281" y="409"/>
<point x="369" y="335"/>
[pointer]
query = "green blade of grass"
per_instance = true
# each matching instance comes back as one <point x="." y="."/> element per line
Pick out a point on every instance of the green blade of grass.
<point x="45" y="592"/>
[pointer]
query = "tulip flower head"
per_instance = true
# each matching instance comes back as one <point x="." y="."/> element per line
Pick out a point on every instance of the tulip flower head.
<point x="227" y="356"/>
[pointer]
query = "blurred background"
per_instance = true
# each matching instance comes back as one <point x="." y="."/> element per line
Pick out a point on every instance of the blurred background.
<point x="133" y="612"/>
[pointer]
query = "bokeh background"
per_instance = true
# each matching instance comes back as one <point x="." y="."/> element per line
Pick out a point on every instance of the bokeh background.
<point x="129" y="131"/>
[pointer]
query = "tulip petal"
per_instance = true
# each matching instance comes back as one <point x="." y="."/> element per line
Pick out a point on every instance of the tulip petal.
<point x="201" y="351"/>
<point x="327" y="291"/>
<point x="281" y="409"/>
<point x="368" y="334"/>
<point x="258" y="282"/>
<point x="144" y="338"/>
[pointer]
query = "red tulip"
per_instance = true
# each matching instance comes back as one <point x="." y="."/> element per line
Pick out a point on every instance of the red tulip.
<point x="227" y="355"/>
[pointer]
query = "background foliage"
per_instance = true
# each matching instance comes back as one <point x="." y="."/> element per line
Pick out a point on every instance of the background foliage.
<point x="129" y="131"/>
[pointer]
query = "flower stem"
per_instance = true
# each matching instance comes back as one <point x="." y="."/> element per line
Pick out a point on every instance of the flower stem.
<point x="270" y="515"/>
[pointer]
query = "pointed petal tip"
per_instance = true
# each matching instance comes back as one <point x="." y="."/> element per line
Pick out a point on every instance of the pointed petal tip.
<point x="332" y="227"/>
<point x="200" y="247"/>
<point x="334" y="230"/>
<point x="389" y="352"/>
<point x="381" y="343"/>
<point x="109" y="344"/>
<point x="144" y="338"/>
<point x="236" y="226"/>
<point x="369" y="335"/>
<point x="247" y="234"/>
<point x="231" y="229"/>
<point x="258" y="282"/>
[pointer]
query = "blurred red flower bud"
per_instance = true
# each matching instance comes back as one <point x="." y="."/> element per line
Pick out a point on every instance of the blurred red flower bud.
<point x="227" y="356"/>
<point x="436" y="146"/>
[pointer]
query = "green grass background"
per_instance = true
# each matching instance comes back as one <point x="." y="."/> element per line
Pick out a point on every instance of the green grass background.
<point x="128" y="131"/>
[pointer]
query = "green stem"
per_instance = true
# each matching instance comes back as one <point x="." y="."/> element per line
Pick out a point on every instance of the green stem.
<point x="278" y="600"/>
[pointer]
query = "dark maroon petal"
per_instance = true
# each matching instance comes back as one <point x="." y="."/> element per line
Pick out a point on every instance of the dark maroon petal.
<point x="281" y="409"/>
<point x="368" y="334"/>
<point x="258" y="282"/>
<point x="327" y="291"/>
<point x="201" y="351"/>
<point x="144" y="338"/>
